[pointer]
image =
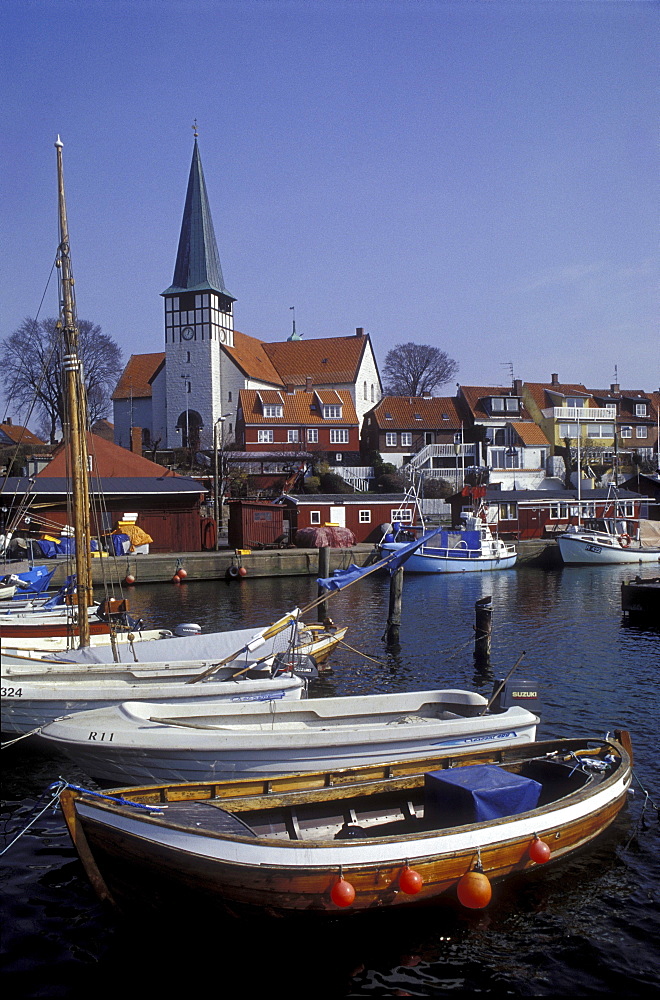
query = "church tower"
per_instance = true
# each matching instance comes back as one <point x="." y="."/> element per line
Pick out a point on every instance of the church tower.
<point x="198" y="321"/>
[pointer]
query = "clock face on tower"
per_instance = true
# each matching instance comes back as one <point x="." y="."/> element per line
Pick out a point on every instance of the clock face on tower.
<point x="187" y="333"/>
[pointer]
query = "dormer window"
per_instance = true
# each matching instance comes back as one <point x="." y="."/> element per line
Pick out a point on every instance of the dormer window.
<point x="504" y="404"/>
<point x="273" y="410"/>
<point x="575" y="401"/>
<point x="418" y="416"/>
<point x="640" y="409"/>
<point x="331" y="412"/>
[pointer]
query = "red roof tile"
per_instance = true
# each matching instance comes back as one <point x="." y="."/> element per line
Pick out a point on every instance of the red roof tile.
<point x="18" y="435"/>
<point x="416" y="412"/>
<point x="136" y="378"/>
<point x="108" y="460"/>
<point x="297" y="409"/>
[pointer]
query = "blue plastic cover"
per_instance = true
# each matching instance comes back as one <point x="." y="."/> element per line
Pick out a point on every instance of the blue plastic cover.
<point x="478" y="793"/>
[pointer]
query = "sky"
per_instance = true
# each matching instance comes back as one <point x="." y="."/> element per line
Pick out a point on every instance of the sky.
<point x="480" y="176"/>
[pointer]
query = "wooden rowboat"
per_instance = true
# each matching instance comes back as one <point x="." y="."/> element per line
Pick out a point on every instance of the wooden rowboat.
<point x="356" y="839"/>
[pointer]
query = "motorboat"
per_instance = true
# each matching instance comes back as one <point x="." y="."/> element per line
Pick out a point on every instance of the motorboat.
<point x="145" y="741"/>
<point x="605" y="541"/>
<point x="393" y="834"/>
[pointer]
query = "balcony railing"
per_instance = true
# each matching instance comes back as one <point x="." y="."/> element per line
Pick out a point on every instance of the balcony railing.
<point x="581" y="413"/>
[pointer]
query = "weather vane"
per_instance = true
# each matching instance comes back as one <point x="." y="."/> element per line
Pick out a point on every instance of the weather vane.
<point x="194" y="128"/>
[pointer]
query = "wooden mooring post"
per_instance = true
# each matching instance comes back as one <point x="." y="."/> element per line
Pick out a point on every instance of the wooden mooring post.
<point x="394" y="614"/>
<point x="324" y="573"/>
<point x="483" y="623"/>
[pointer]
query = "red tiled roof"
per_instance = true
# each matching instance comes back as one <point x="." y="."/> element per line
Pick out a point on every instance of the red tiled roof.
<point x="108" y="460"/>
<point x="416" y="412"/>
<point x="474" y="396"/>
<point x="544" y="393"/>
<point x="136" y="378"/>
<point x="297" y="409"/>
<point x="19" y="435"/>
<point x="327" y="360"/>
<point x="529" y="433"/>
<point x="249" y="354"/>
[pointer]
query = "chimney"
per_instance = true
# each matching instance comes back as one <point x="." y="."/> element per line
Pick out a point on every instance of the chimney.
<point x="517" y="386"/>
<point x="554" y="379"/>
<point x="289" y="389"/>
<point x="136" y="440"/>
<point x="426" y="394"/>
<point x="615" y="387"/>
<point x="8" y="421"/>
<point x="308" y="383"/>
<point x="359" y="331"/>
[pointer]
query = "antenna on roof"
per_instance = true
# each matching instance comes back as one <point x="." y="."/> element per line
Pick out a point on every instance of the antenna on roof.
<point x="616" y="373"/>
<point x="509" y="365"/>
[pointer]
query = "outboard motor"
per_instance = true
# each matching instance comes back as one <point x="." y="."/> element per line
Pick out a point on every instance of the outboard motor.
<point x="188" y="628"/>
<point x="513" y="692"/>
<point x="300" y="664"/>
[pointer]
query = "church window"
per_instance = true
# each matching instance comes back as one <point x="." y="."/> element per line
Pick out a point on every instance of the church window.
<point x="372" y="392"/>
<point x="365" y="391"/>
<point x="175" y="304"/>
<point x="188" y="356"/>
<point x="198" y="315"/>
<point x="229" y="397"/>
<point x="198" y="302"/>
<point x="206" y="313"/>
<point x="168" y="305"/>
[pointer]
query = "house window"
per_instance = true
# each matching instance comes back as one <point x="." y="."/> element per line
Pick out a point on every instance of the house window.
<point x="272" y="410"/>
<point x="600" y="430"/>
<point x="406" y="439"/>
<point x="332" y="412"/>
<point x="338" y="436"/>
<point x="313" y="435"/>
<point x="339" y="456"/>
<point x="508" y="511"/>
<point x="365" y="517"/>
<point x="315" y="517"/>
<point x="292" y="436"/>
<point x="640" y="409"/>
<point x="403" y="514"/>
<point x="640" y="432"/>
<point x="575" y="401"/>
<point x="558" y="511"/>
<point x="626" y="432"/>
<point x="390" y="440"/>
<point x="264" y="437"/>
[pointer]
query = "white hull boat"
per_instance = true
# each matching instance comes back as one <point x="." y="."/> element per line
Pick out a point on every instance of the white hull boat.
<point x="143" y="742"/>
<point x="604" y="541"/>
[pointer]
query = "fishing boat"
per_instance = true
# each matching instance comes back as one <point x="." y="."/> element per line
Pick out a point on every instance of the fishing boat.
<point x="605" y="541"/>
<point x="143" y="741"/>
<point x="354" y="839"/>
<point x="472" y="548"/>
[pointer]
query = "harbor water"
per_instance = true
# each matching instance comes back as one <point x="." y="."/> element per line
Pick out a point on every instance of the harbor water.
<point x="587" y="926"/>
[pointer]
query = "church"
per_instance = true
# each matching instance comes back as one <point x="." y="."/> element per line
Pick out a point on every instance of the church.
<point x="175" y="397"/>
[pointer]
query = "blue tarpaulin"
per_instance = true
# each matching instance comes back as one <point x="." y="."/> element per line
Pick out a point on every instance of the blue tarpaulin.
<point x="477" y="793"/>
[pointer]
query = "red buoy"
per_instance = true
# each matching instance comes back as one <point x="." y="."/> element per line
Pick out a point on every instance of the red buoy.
<point x="474" y="890"/>
<point x="539" y="851"/>
<point x="410" y="882"/>
<point x="342" y="893"/>
<point x="175" y="579"/>
<point x="129" y="579"/>
<point x="182" y="573"/>
<point x="242" y="571"/>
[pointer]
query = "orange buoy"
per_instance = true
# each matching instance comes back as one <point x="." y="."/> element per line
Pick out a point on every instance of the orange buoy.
<point x="242" y="571"/>
<point x="342" y="893"/>
<point x="474" y="890"/>
<point x="182" y="573"/>
<point x="129" y="579"/>
<point x="175" y="579"/>
<point x="410" y="882"/>
<point x="539" y="851"/>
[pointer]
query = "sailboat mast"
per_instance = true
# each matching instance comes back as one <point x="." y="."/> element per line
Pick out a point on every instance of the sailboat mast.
<point x="77" y="414"/>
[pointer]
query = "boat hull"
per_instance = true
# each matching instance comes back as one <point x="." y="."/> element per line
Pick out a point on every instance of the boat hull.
<point x="425" y="562"/>
<point x="139" y="858"/>
<point x="141" y="743"/>
<point x="578" y="551"/>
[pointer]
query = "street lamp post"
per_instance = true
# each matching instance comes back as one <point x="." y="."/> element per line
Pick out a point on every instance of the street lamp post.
<point x="218" y="480"/>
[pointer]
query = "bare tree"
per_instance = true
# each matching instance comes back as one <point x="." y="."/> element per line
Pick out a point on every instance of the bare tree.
<point x="413" y="369"/>
<point x="31" y="375"/>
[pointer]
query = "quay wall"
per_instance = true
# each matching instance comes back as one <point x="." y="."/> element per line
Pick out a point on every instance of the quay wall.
<point x="160" y="568"/>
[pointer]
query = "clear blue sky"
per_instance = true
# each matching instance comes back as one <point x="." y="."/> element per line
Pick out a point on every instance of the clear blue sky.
<point x="482" y="176"/>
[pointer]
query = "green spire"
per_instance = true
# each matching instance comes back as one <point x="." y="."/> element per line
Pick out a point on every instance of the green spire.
<point x="197" y="265"/>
